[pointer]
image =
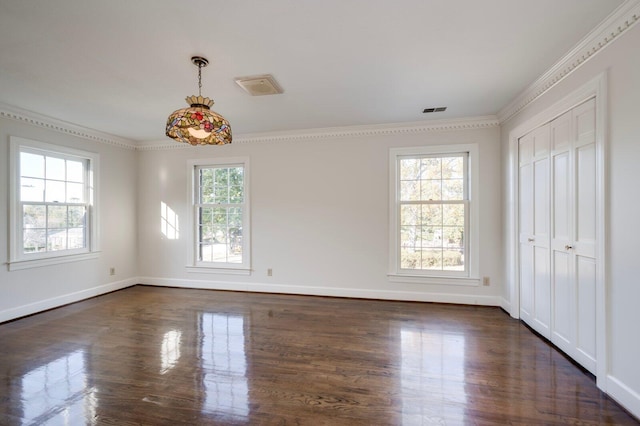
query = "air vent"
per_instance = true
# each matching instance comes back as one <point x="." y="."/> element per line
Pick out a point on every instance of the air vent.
<point x="259" y="85"/>
<point x="438" y="109"/>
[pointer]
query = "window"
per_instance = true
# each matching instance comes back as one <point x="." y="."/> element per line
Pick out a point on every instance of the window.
<point x="432" y="212"/>
<point x="53" y="216"/>
<point x="221" y="216"/>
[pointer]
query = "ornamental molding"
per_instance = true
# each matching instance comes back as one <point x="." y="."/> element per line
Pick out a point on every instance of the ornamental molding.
<point x="472" y="123"/>
<point x="50" y="123"/>
<point x="609" y="30"/>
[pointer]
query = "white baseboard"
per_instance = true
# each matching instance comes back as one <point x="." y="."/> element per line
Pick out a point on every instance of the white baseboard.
<point x="506" y="305"/>
<point x="624" y="395"/>
<point x="359" y="293"/>
<point x="54" y="302"/>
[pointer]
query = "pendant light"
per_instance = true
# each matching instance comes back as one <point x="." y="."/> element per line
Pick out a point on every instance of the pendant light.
<point x="198" y="125"/>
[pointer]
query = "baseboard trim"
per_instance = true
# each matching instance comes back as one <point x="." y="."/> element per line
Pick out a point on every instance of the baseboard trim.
<point x="624" y="395"/>
<point x="358" y="293"/>
<point x="54" y="302"/>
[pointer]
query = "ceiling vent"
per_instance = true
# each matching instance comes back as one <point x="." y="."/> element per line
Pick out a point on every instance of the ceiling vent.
<point x="438" y="109"/>
<point x="259" y="85"/>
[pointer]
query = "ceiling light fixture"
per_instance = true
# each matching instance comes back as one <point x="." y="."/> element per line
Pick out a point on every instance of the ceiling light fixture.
<point x="198" y="125"/>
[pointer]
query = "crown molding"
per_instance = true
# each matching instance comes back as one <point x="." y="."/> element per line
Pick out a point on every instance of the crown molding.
<point x="471" y="123"/>
<point x="609" y="30"/>
<point x="50" y="123"/>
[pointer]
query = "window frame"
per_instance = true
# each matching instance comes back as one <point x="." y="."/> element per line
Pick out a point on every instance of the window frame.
<point x="17" y="258"/>
<point x="195" y="265"/>
<point x="470" y="275"/>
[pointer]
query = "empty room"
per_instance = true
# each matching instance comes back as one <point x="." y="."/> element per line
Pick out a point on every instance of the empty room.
<point x="356" y="212"/>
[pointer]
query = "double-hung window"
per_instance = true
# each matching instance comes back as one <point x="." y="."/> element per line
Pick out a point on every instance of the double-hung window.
<point x="432" y="213"/>
<point x="53" y="216"/>
<point x="221" y="216"/>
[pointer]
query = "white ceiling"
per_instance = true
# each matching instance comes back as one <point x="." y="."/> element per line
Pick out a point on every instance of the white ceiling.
<point x="121" y="66"/>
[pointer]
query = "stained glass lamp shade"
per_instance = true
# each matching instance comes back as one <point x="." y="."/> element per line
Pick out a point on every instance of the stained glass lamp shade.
<point x="198" y="125"/>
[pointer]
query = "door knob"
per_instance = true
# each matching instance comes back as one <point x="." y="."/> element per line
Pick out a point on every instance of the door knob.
<point x="568" y="247"/>
<point x="531" y="239"/>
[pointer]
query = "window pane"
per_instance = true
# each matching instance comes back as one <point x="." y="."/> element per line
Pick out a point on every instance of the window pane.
<point x="75" y="171"/>
<point x="219" y="217"/>
<point x="453" y="260"/>
<point x="410" y="169"/>
<point x="453" y="214"/>
<point x="31" y="189"/>
<point x="431" y="214"/>
<point x="206" y="186"/>
<point x="235" y="194"/>
<point x="75" y="193"/>
<point x="206" y="233"/>
<point x="452" y="168"/>
<point x="410" y="258"/>
<point x="55" y="168"/>
<point x="76" y="237"/>
<point x="235" y="218"/>
<point x="410" y="190"/>
<point x="205" y="252"/>
<point x="75" y="217"/>
<point x="430" y="190"/>
<point x="409" y="236"/>
<point x="206" y="216"/>
<point x="432" y="259"/>
<point x="55" y="191"/>
<point x="431" y="236"/>
<point x="56" y="217"/>
<point x="221" y="177"/>
<point x="31" y="165"/>
<point x="34" y="240"/>
<point x="431" y="168"/>
<point x="34" y="216"/>
<point x="452" y="189"/>
<point x="236" y="176"/>
<point x="221" y="195"/>
<point x="56" y="239"/>
<point x="453" y="236"/>
<point x="235" y="245"/>
<point x="409" y="214"/>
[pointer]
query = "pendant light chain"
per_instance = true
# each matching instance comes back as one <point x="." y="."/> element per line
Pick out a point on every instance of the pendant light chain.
<point x="199" y="78"/>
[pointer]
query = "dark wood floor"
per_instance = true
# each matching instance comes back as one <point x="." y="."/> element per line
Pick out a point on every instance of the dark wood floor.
<point x="147" y="355"/>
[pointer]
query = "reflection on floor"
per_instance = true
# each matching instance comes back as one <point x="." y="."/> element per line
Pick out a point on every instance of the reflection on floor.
<point x="155" y="356"/>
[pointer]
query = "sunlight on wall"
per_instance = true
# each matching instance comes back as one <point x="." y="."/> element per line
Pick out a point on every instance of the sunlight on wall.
<point x="169" y="225"/>
<point x="432" y="364"/>
<point x="170" y="350"/>
<point x="58" y="392"/>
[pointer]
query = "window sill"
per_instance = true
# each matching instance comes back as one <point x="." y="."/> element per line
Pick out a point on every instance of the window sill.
<point x="433" y="280"/>
<point x="17" y="265"/>
<point x="218" y="270"/>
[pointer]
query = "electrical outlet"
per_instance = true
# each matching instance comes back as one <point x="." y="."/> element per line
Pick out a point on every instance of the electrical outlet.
<point x="269" y="272"/>
<point x="486" y="281"/>
<point x="112" y="271"/>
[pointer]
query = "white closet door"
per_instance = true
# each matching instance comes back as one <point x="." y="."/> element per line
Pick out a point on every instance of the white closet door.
<point x="584" y="246"/>
<point x="563" y="333"/>
<point x="534" y="238"/>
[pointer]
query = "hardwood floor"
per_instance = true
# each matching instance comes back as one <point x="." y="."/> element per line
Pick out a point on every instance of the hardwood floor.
<point x="153" y="356"/>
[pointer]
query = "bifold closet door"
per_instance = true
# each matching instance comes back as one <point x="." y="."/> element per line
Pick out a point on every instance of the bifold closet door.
<point x="535" y="284"/>
<point x="573" y="233"/>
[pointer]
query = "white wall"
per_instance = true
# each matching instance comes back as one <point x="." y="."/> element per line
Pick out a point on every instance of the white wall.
<point x="622" y="63"/>
<point x="23" y="292"/>
<point x="319" y="216"/>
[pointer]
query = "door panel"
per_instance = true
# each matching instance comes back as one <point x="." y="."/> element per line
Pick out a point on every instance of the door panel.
<point x="563" y="334"/>
<point x="586" y="319"/>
